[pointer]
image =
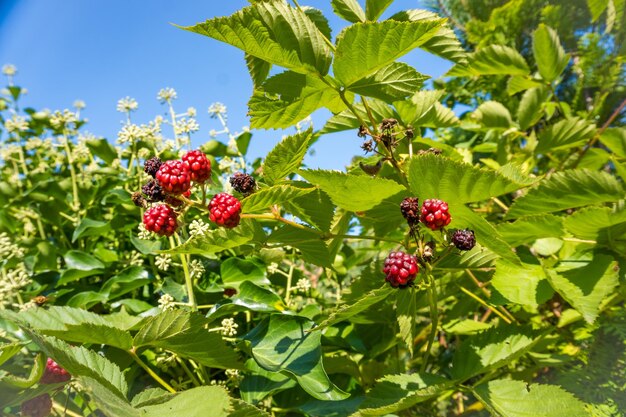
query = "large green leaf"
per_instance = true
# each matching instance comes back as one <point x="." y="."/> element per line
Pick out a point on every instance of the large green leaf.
<point x="434" y="176"/>
<point x="217" y="240"/>
<point x="259" y="383"/>
<point x="509" y="398"/>
<point x="493" y="115"/>
<point x="183" y="333"/>
<point x="268" y="197"/>
<point x="258" y="69"/>
<point x="597" y="7"/>
<point x="355" y="59"/>
<point x="375" y="8"/>
<point x="273" y="32"/>
<point x="285" y="343"/>
<point x="444" y="43"/>
<point x="74" y="325"/>
<point x="492" y="60"/>
<point x="250" y="297"/>
<point x="530" y="108"/>
<point x="393" y="82"/>
<point x="88" y="227"/>
<point x="398" y="392"/>
<point x="524" y="284"/>
<point x="79" y="361"/>
<point x="235" y="271"/>
<point x="352" y="192"/>
<point x="549" y="54"/>
<point x="314" y="208"/>
<point x="406" y="306"/>
<point x="615" y="139"/>
<point x="490" y="350"/>
<point x="350" y="10"/>
<point x="308" y="241"/>
<point x="347" y="311"/>
<point x="602" y="224"/>
<point x="289" y="97"/>
<point x="528" y="229"/>
<point x="416" y="109"/>
<point x="519" y="83"/>
<point x="586" y="284"/>
<point x="567" y="189"/>
<point x="125" y="282"/>
<point x="195" y="402"/>
<point x="564" y="134"/>
<point x="286" y="157"/>
<point x="347" y="120"/>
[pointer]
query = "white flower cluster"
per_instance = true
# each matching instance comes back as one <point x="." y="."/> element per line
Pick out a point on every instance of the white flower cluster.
<point x="216" y="109"/>
<point x="198" y="228"/>
<point x="303" y="285"/>
<point x="11" y="282"/>
<point x="9" y="70"/>
<point x="166" y="302"/>
<point x="163" y="262"/>
<point x="130" y="132"/>
<point x="63" y="119"/>
<point x="16" y="124"/>
<point x="8" y="249"/>
<point x="229" y="327"/>
<point x="143" y="232"/>
<point x="126" y="105"/>
<point x="196" y="269"/>
<point x="186" y="126"/>
<point x="166" y="95"/>
<point x="135" y="258"/>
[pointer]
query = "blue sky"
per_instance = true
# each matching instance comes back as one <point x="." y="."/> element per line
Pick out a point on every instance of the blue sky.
<point x="101" y="51"/>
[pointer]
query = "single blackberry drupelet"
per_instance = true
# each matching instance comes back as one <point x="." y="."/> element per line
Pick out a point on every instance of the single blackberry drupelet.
<point x="54" y="373"/>
<point x="410" y="208"/>
<point x="435" y="214"/>
<point x="224" y="210"/>
<point x="464" y="239"/>
<point x="243" y="183"/>
<point x="160" y="219"/>
<point x="152" y="165"/>
<point x="400" y="269"/>
<point x="199" y="166"/>
<point x="174" y="177"/>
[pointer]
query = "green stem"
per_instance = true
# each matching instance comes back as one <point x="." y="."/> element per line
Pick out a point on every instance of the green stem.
<point x="188" y="280"/>
<point x="173" y="117"/>
<point x="484" y="304"/>
<point x="370" y="115"/>
<point x="150" y="372"/>
<point x="188" y="372"/>
<point x="288" y="290"/>
<point x="342" y="94"/>
<point x="70" y="161"/>
<point x="434" y="317"/>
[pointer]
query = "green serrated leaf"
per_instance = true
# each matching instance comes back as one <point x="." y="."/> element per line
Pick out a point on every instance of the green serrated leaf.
<point x="528" y="229"/>
<point x="393" y="82"/>
<point x="8" y="350"/>
<point x="352" y="192"/>
<point x="314" y="208"/>
<point x="320" y="21"/>
<point x="308" y="242"/>
<point x="349" y="10"/>
<point x="524" y="284"/>
<point x="194" y="402"/>
<point x="235" y="271"/>
<point x="530" y="108"/>
<point x="375" y="8"/>
<point x="286" y="343"/>
<point x="519" y="83"/>
<point x="565" y="190"/>
<point x="347" y="120"/>
<point x="586" y="286"/>
<point x="416" y="110"/>
<point x="444" y="43"/>
<point x="250" y="297"/>
<point x="363" y="303"/>
<point x="183" y="333"/>
<point x="354" y="59"/>
<point x="88" y="227"/>
<point x="35" y="374"/>
<point x="406" y="306"/>
<point x="615" y="139"/>
<point x="549" y="55"/>
<point x="600" y="224"/>
<point x="493" y="115"/>
<point x="492" y="60"/>
<point x="398" y="392"/>
<point x="434" y="176"/>
<point x="289" y="97"/>
<point x="125" y="282"/>
<point x="509" y="398"/>
<point x="286" y="157"/>
<point x="258" y="68"/>
<point x="564" y="134"/>
<point x="259" y="383"/>
<point x="490" y="350"/>
<point x="217" y="240"/>
<point x="267" y="197"/>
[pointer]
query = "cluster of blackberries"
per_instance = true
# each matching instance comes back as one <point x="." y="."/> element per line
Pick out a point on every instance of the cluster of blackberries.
<point x="434" y="213"/>
<point x="173" y="179"/>
<point x="41" y="405"/>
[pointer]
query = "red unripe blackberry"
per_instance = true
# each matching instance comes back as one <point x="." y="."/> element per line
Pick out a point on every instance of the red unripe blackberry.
<point x="400" y="268"/>
<point x="410" y="208"/>
<point x="243" y="183"/>
<point x="199" y="166"/>
<point x="54" y="373"/>
<point x="160" y="219"/>
<point x="464" y="239"/>
<point x="174" y="177"/>
<point x="224" y="209"/>
<point x="435" y="214"/>
<point x="40" y="406"/>
<point x="152" y="165"/>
